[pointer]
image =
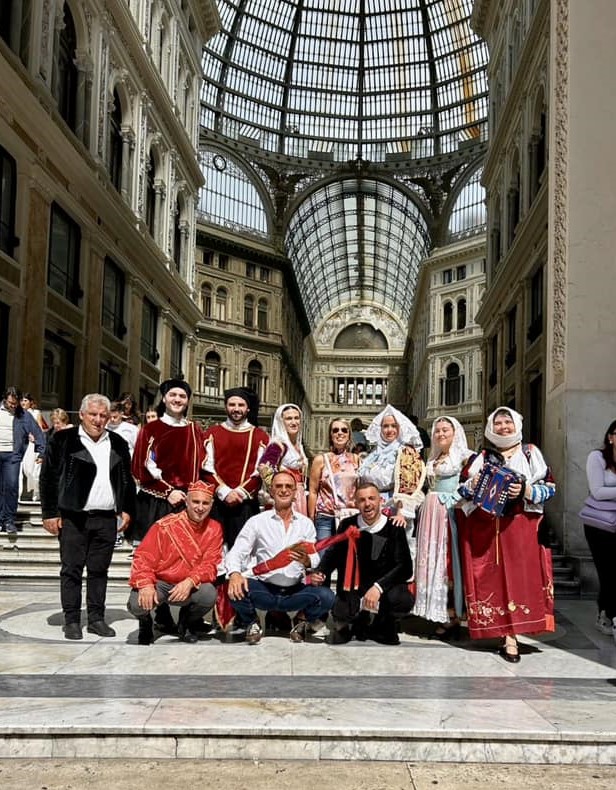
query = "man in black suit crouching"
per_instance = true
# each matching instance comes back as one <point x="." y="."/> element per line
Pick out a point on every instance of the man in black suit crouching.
<point x="372" y="586"/>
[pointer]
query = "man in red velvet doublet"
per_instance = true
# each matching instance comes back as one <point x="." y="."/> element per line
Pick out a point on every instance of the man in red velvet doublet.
<point x="233" y="449"/>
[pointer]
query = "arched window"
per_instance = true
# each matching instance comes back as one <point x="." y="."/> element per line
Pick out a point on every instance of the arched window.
<point x="249" y="311"/>
<point x="206" y="300"/>
<point x="447" y="317"/>
<point x="221" y="304"/>
<point x="150" y="195"/>
<point x="454" y="383"/>
<point x="254" y="379"/>
<point x="262" y="315"/>
<point x="212" y="373"/>
<point x="115" y="143"/>
<point x="66" y="77"/>
<point x="461" y="321"/>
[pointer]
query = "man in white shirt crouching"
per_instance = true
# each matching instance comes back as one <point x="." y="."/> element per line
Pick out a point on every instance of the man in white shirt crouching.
<point x="282" y="589"/>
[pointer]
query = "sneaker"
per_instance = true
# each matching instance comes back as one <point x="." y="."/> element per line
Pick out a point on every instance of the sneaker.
<point x="614" y="628"/>
<point x="254" y="634"/>
<point x="119" y="541"/>
<point x="604" y="624"/>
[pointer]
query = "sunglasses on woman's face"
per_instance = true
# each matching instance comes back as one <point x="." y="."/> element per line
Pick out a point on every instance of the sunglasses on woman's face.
<point x="340" y="430"/>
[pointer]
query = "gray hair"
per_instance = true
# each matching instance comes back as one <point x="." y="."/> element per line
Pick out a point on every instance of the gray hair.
<point x="94" y="397"/>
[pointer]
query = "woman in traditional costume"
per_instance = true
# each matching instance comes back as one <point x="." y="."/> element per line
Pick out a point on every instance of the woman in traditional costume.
<point x="507" y="572"/>
<point x="333" y="479"/>
<point x="395" y="467"/>
<point x="285" y="452"/>
<point x="438" y="573"/>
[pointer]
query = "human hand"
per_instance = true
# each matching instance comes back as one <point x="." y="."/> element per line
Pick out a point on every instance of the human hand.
<point x="181" y="591"/>
<point x="176" y="497"/>
<point x="317" y="578"/>
<point x="299" y="554"/>
<point x="514" y="490"/>
<point x="124" y="522"/>
<point x="234" y="498"/>
<point x="52" y="525"/>
<point x="148" y="598"/>
<point x="372" y="598"/>
<point x="398" y="520"/>
<point x="237" y="586"/>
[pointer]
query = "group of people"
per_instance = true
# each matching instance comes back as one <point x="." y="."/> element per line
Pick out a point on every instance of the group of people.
<point x="234" y="519"/>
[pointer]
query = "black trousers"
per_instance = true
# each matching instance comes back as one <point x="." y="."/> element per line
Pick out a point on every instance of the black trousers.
<point x="602" y="545"/>
<point x="233" y="517"/>
<point x="86" y="541"/>
<point x="393" y="604"/>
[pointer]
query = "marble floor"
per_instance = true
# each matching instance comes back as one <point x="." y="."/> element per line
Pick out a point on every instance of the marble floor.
<point x="423" y="700"/>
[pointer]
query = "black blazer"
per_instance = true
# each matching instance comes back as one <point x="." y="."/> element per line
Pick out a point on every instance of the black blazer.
<point x="384" y="557"/>
<point x="68" y="472"/>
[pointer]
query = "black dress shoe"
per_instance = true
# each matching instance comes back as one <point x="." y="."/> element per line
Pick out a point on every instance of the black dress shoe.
<point x="187" y="635"/>
<point x="512" y="658"/>
<point x="340" y="636"/>
<point x="146" y="630"/>
<point x="73" y="631"/>
<point x="448" y="633"/>
<point x="163" y="620"/>
<point x="100" y="628"/>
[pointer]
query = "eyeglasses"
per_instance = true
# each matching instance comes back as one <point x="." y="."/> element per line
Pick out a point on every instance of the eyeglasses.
<point x="340" y="430"/>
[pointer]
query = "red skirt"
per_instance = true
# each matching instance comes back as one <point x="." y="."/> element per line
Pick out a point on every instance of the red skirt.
<point x="508" y="579"/>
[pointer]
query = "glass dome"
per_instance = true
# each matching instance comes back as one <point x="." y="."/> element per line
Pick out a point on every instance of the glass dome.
<point x="343" y="80"/>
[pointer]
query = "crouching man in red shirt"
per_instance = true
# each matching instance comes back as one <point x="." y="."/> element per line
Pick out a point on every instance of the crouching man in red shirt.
<point x="177" y="562"/>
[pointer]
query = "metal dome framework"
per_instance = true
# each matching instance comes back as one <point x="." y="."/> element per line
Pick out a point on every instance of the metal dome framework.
<point x="346" y="80"/>
<point x="361" y="120"/>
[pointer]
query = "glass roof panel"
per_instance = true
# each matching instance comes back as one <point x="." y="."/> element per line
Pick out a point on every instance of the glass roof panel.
<point x="357" y="240"/>
<point x="357" y="78"/>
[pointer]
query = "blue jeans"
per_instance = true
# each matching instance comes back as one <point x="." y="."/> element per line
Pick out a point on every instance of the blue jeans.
<point x="324" y="525"/>
<point x="314" y="601"/>
<point x="9" y="490"/>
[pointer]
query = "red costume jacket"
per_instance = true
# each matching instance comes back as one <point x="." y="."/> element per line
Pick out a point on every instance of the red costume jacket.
<point x="178" y="451"/>
<point x="176" y="548"/>
<point x="232" y="457"/>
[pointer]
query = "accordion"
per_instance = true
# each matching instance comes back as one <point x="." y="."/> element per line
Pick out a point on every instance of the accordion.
<point x="493" y="486"/>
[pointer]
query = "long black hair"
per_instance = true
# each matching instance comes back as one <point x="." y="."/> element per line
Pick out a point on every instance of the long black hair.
<point x="607" y="451"/>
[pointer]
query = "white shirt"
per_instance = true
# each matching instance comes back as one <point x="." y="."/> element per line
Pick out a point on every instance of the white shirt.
<point x="6" y="430"/>
<point x="372" y="528"/>
<point x="128" y="432"/>
<point x="262" y="537"/>
<point x="101" y="494"/>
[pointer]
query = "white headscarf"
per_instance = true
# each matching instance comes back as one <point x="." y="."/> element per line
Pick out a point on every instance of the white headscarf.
<point x="504" y="442"/>
<point x="458" y="452"/>
<point x="407" y="433"/>
<point x="294" y="458"/>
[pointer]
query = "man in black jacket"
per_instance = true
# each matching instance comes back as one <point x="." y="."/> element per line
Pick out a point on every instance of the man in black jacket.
<point x="87" y="496"/>
<point x="372" y="587"/>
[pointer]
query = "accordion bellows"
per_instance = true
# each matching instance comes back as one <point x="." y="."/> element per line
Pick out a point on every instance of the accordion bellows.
<point x="493" y="486"/>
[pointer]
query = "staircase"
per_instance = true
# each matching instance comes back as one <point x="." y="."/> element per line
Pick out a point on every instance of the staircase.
<point x="34" y="556"/>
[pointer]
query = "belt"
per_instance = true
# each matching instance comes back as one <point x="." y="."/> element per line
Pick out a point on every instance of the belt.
<point x="99" y="513"/>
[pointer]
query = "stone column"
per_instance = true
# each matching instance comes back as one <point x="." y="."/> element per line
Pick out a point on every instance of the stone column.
<point x="581" y="365"/>
<point x="135" y="293"/>
<point x="93" y="264"/>
<point x="34" y="263"/>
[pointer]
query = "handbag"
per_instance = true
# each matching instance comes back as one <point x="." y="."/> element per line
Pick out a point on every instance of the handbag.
<point x="599" y="513"/>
